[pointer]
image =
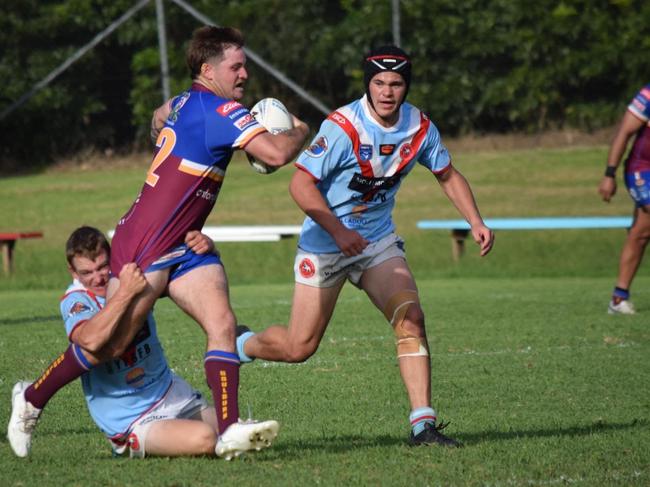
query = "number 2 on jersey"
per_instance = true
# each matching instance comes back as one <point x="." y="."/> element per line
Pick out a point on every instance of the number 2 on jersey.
<point x="166" y="142"/>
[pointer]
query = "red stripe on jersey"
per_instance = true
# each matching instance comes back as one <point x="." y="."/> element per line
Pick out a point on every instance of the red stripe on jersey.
<point x="348" y="128"/>
<point x="416" y="142"/>
<point x="304" y="169"/>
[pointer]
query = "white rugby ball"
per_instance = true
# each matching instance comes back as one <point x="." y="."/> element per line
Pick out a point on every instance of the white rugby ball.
<point x="274" y="117"/>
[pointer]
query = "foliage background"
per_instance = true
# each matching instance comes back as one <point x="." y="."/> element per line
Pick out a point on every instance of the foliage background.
<point x="481" y="66"/>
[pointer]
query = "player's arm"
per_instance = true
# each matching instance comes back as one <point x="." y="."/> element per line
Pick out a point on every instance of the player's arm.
<point x="93" y="334"/>
<point x="279" y="149"/>
<point x="304" y="191"/>
<point x="158" y="119"/>
<point x="460" y="194"/>
<point x="630" y="125"/>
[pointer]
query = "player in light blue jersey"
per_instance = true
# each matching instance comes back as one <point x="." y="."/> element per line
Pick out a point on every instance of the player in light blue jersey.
<point x="135" y="399"/>
<point x="346" y="184"/>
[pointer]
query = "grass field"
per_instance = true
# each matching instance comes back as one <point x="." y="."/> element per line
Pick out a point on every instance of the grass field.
<point x="540" y="384"/>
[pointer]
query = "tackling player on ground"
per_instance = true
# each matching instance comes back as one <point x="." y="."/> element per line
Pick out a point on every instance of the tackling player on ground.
<point x="346" y="184"/>
<point x="141" y="406"/>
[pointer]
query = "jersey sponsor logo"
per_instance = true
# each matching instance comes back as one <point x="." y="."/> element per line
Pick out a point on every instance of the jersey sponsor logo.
<point x="206" y="195"/>
<point x="338" y="118"/>
<point x="355" y="221"/>
<point x="365" y="152"/>
<point x="236" y="114"/>
<point x="228" y="107"/>
<point x="405" y="150"/>
<point x="386" y="149"/>
<point x="318" y="147"/>
<point x="306" y="268"/>
<point x="365" y="185"/>
<point x="78" y="307"/>
<point x="134" y="376"/>
<point x="245" y="121"/>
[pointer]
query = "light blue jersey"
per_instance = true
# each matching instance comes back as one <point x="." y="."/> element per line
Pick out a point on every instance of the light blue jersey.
<point x="119" y="391"/>
<point x="359" y="166"/>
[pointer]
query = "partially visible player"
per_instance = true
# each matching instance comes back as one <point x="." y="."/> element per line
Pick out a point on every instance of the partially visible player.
<point x="635" y="124"/>
<point x="202" y="128"/>
<point x="135" y="399"/>
<point x="346" y="184"/>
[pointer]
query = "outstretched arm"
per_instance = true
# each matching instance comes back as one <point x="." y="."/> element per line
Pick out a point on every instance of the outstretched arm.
<point x="460" y="194"/>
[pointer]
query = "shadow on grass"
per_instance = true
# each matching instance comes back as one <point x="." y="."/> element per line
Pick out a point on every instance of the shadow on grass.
<point x="595" y="428"/>
<point x="30" y="319"/>
<point x="341" y="444"/>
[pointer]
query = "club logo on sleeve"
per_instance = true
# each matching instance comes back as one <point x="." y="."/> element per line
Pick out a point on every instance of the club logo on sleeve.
<point x="318" y="147"/>
<point x="307" y="268"/>
<point x="365" y="152"/>
<point x="228" y="107"/>
<point x="78" y="307"/>
<point x="245" y="121"/>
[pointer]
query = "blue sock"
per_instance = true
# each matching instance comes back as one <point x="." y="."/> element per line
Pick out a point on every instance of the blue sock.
<point x="421" y="416"/>
<point x="241" y="339"/>
<point x="621" y="294"/>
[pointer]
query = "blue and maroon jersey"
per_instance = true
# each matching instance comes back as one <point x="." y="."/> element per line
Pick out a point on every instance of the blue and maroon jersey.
<point x="359" y="166"/>
<point x="639" y="157"/>
<point x="192" y="153"/>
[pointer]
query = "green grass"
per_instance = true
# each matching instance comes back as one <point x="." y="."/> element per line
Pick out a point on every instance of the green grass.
<point x="542" y="386"/>
<point x="539" y="383"/>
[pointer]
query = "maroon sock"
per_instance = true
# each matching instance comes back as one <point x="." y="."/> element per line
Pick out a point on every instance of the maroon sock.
<point x="66" y="368"/>
<point x="222" y="373"/>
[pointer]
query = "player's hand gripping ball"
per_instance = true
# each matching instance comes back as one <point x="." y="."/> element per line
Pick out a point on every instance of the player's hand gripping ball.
<point x="274" y="117"/>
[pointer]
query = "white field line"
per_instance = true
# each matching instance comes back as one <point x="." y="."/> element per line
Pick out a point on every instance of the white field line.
<point x="318" y="362"/>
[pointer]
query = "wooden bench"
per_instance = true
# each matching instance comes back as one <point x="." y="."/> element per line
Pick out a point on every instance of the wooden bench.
<point x="247" y="233"/>
<point x="7" y="244"/>
<point x="460" y="228"/>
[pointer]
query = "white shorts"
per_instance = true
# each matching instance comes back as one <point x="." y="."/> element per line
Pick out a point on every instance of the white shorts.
<point x="182" y="401"/>
<point x="326" y="270"/>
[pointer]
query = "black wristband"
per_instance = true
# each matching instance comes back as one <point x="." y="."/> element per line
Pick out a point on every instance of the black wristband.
<point x="610" y="172"/>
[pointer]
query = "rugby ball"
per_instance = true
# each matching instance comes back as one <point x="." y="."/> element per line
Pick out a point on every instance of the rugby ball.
<point x="274" y="117"/>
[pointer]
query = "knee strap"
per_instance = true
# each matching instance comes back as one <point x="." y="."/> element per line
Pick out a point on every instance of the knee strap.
<point x="408" y="345"/>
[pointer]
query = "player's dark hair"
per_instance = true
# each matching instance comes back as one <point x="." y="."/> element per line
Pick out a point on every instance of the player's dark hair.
<point x="86" y="242"/>
<point x="210" y="42"/>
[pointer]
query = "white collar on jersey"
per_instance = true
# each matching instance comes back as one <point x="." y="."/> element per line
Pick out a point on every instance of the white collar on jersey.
<point x="366" y="111"/>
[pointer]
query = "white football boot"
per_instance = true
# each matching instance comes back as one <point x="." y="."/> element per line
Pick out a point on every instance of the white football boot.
<point x="245" y="436"/>
<point x="624" y="307"/>
<point x="23" y="420"/>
